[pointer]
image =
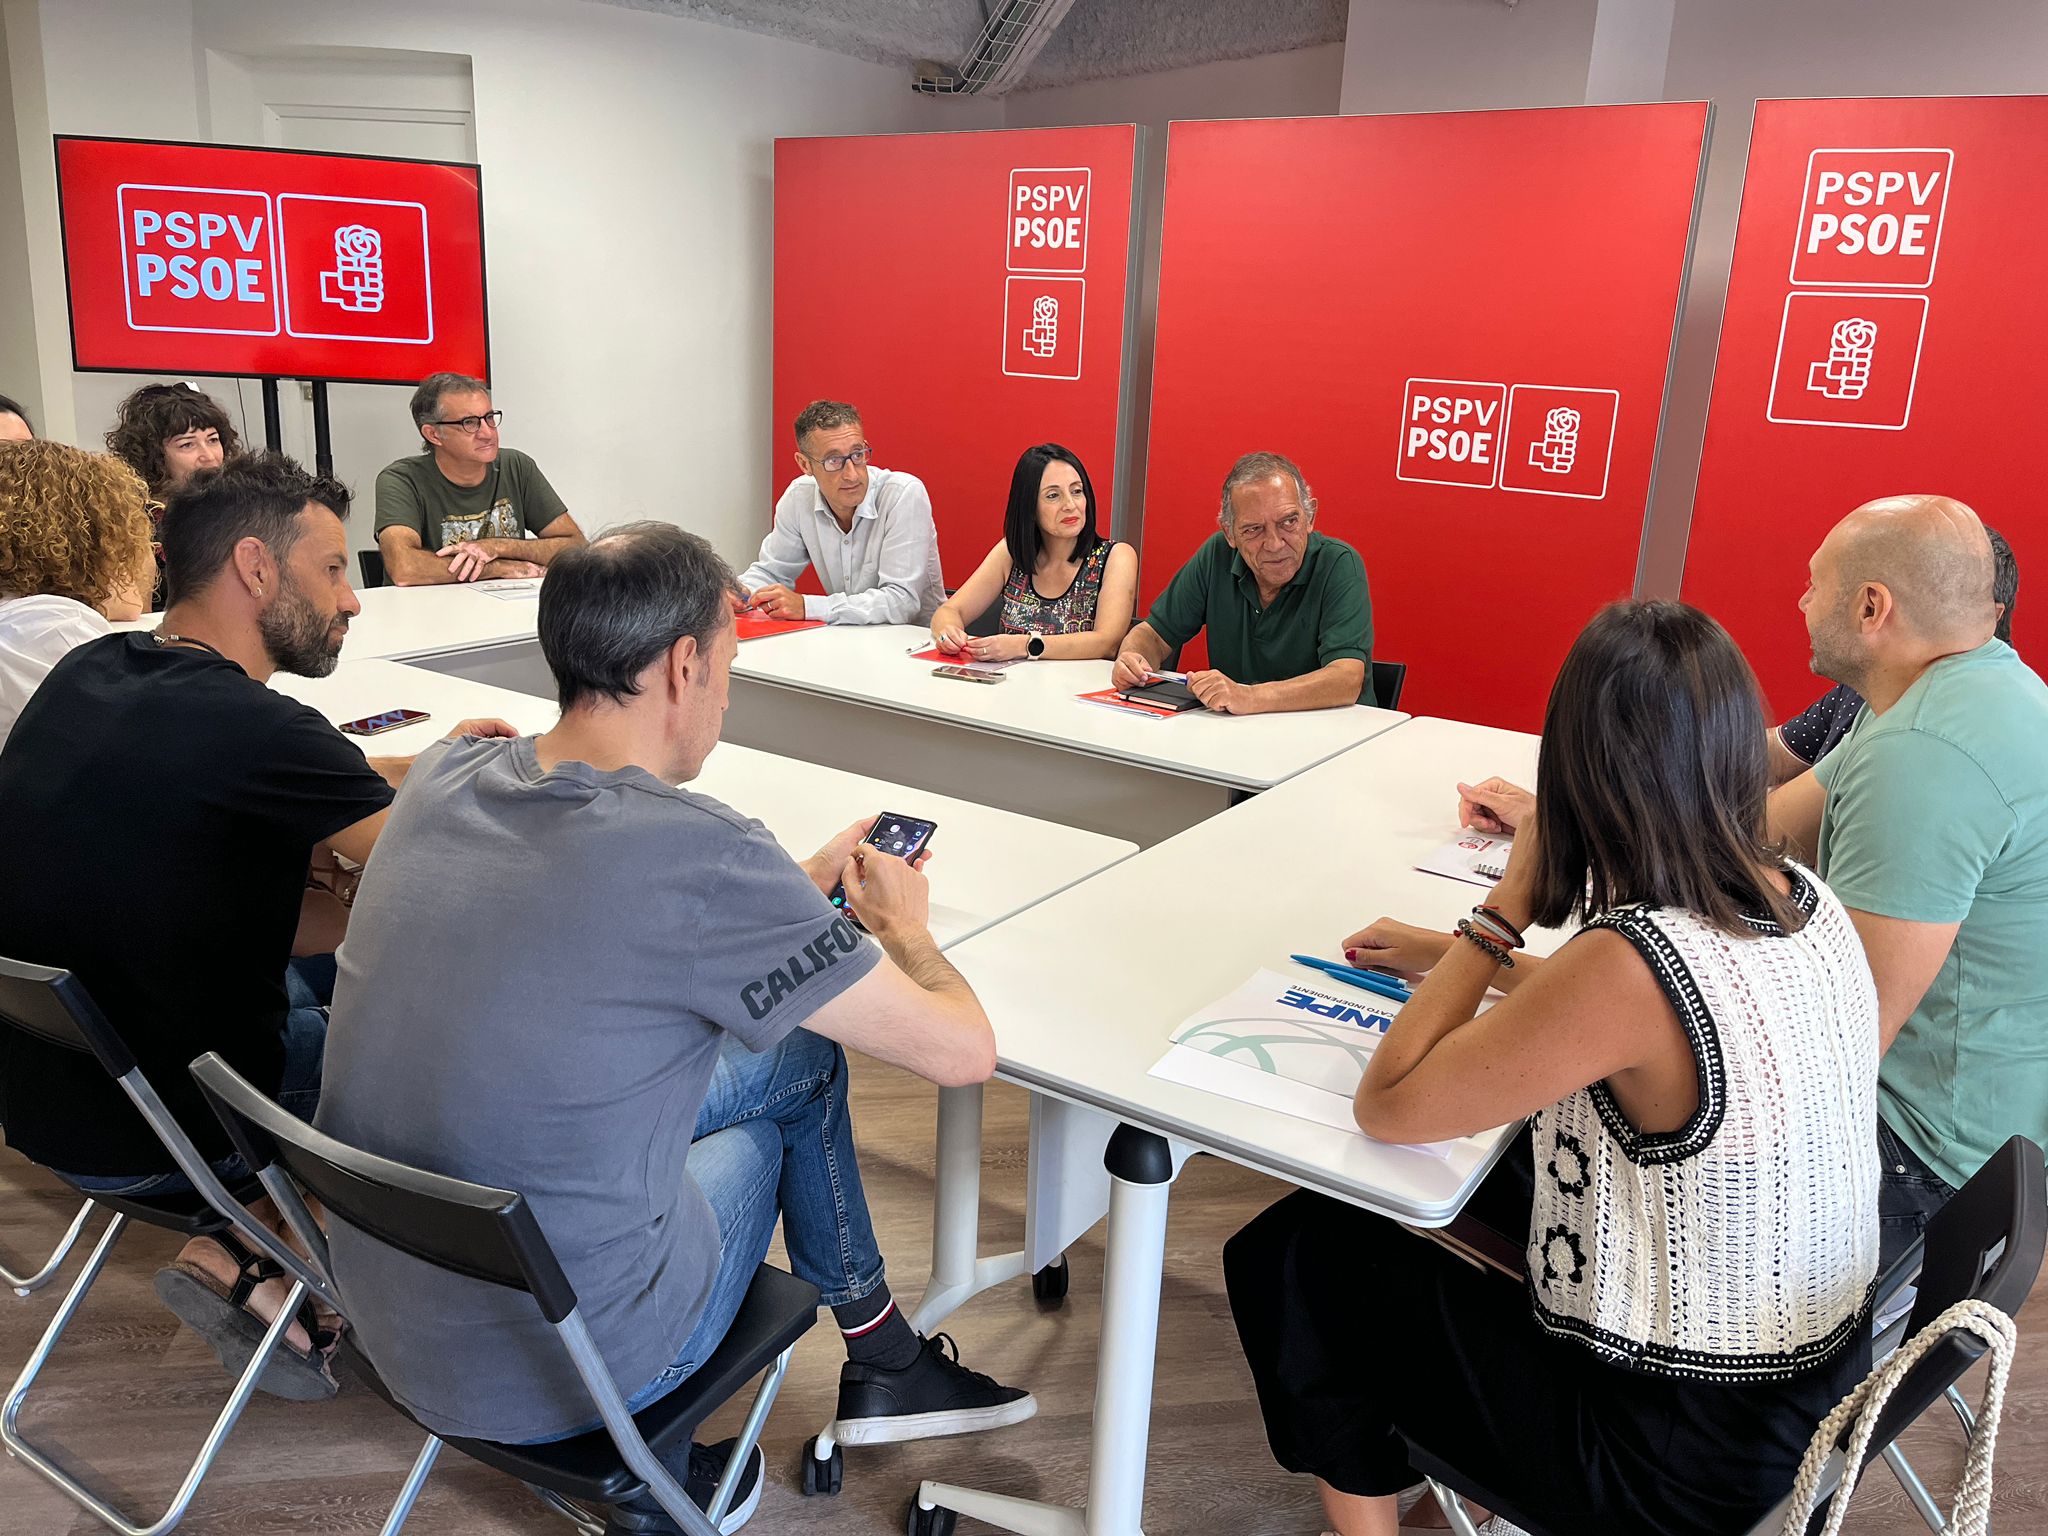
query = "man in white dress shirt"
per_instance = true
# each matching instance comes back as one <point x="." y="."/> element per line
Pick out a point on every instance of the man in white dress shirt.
<point x="867" y="532"/>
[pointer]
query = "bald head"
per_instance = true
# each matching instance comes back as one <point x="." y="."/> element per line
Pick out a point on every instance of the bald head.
<point x="1931" y="554"/>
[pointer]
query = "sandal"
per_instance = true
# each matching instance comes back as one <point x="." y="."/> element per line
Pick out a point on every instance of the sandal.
<point x="221" y="1317"/>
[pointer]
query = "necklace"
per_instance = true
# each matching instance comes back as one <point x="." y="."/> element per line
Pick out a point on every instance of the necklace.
<point x="163" y="640"/>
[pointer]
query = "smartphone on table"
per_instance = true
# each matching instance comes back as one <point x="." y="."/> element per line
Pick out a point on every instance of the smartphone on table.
<point x="390" y="720"/>
<point x="901" y="837"/>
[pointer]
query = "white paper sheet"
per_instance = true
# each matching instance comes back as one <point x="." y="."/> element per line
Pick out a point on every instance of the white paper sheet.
<point x="1298" y="1047"/>
<point x="511" y="589"/>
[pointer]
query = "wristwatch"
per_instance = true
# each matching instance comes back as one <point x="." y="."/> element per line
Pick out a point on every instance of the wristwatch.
<point x="1035" y="647"/>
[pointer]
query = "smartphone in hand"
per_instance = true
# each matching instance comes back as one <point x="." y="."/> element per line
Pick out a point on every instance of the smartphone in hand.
<point x="901" y="837"/>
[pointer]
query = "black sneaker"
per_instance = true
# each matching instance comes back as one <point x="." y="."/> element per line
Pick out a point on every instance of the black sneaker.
<point x="933" y="1395"/>
<point x="644" y="1517"/>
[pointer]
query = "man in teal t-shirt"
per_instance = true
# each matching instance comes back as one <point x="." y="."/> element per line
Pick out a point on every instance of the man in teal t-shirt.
<point x="1287" y="610"/>
<point x="1930" y="822"/>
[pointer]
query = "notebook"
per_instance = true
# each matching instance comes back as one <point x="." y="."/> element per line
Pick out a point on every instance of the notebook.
<point x="1169" y="694"/>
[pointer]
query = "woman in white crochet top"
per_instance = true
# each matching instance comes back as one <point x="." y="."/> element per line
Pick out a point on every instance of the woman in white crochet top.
<point x="1699" y="1069"/>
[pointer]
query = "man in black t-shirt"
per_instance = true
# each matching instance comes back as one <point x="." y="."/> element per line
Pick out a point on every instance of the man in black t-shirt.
<point x="164" y="755"/>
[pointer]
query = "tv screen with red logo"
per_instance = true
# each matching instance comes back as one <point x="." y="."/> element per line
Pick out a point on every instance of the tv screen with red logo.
<point x="213" y="259"/>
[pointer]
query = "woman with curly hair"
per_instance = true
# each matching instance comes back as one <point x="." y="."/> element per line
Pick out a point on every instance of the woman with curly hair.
<point x="74" y="553"/>
<point x="170" y="432"/>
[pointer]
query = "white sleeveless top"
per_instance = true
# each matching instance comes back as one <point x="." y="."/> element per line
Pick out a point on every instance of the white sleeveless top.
<point x="1744" y="1244"/>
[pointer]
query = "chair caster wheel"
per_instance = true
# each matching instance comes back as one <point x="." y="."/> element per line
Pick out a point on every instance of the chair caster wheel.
<point x="822" y="1475"/>
<point x="929" y="1522"/>
<point x="1049" y="1285"/>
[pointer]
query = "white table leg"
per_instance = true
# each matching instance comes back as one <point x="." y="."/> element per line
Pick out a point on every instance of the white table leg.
<point x="1142" y="1167"/>
<point x="958" y="1272"/>
<point x="1141" y="1172"/>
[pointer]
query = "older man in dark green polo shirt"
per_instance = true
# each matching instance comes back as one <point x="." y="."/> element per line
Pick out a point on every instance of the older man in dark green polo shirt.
<point x="1288" y="611"/>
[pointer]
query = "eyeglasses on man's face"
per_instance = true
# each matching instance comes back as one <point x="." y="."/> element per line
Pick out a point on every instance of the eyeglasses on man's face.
<point x="471" y="425"/>
<point x="832" y="463"/>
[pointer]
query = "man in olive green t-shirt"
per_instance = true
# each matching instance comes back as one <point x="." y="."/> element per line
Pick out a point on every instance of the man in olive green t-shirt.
<point x="1287" y="610"/>
<point x="464" y="509"/>
<point x="1930" y="822"/>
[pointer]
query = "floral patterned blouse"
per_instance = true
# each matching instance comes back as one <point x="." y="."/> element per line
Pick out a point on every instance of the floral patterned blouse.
<point x="1025" y="612"/>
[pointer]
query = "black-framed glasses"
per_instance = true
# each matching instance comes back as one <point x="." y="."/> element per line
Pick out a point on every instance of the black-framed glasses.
<point x="473" y="424"/>
<point x="832" y="463"/>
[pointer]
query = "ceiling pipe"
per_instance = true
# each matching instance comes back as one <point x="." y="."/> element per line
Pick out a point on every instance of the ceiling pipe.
<point x="1011" y="39"/>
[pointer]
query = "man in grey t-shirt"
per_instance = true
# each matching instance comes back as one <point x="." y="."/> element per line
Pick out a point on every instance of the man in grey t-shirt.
<point x="658" y="1067"/>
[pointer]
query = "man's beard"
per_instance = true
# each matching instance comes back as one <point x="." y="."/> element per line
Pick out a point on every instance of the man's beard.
<point x="1833" y="657"/>
<point x="297" y="636"/>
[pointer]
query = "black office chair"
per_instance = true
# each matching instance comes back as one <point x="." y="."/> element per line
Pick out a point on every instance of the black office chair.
<point x="492" y="1235"/>
<point x="52" y="1006"/>
<point x="371" y="563"/>
<point x="1985" y="1243"/>
<point x="1388" y="678"/>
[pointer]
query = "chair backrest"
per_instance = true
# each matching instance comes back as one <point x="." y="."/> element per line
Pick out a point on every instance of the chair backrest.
<point x="1388" y="679"/>
<point x="52" y="1006"/>
<point x="1985" y="1243"/>
<point x="371" y="563"/>
<point x="469" y="1229"/>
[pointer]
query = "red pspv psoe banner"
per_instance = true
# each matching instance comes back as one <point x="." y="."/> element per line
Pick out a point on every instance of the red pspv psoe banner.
<point x="208" y="259"/>
<point x="1883" y="335"/>
<point x="1459" y="325"/>
<point x="966" y="291"/>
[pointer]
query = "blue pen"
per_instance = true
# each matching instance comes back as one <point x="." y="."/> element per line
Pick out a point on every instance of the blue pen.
<point x="1383" y="986"/>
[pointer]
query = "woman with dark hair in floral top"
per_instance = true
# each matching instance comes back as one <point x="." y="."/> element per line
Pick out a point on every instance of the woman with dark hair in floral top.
<point x="1068" y="594"/>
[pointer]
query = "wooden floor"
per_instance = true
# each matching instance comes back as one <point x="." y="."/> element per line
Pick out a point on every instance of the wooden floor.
<point x="129" y="1394"/>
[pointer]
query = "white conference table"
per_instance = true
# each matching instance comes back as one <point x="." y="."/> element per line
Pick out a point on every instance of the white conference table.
<point x="987" y="864"/>
<point x="486" y="631"/>
<point x="849" y="696"/>
<point x="852" y="695"/>
<point x="1296" y="869"/>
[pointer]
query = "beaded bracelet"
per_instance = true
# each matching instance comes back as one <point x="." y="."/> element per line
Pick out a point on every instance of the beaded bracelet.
<point x="1467" y="929"/>
<point x="1500" y="920"/>
<point x="1495" y="928"/>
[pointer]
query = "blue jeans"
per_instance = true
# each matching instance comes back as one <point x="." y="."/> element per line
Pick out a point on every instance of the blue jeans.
<point x="775" y="1135"/>
<point x="298" y="1090"/>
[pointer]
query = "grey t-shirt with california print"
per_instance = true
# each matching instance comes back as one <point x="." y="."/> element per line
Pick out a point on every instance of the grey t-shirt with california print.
<point x="540" y="971"/>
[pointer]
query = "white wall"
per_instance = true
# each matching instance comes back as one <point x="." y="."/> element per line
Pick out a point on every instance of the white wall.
<point x="627" y="161"/>
<point x="1303" y="83"/>
<point x="1457" y="55"/>
<point x="19" y="376"/>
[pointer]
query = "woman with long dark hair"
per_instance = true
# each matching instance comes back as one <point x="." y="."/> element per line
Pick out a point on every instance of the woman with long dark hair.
<point x="1698" y="1066"/>
<point x="1068" y="594"/>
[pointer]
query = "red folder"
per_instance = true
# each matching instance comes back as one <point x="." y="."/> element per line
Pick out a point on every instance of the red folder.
<point x="753" y="626"/>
